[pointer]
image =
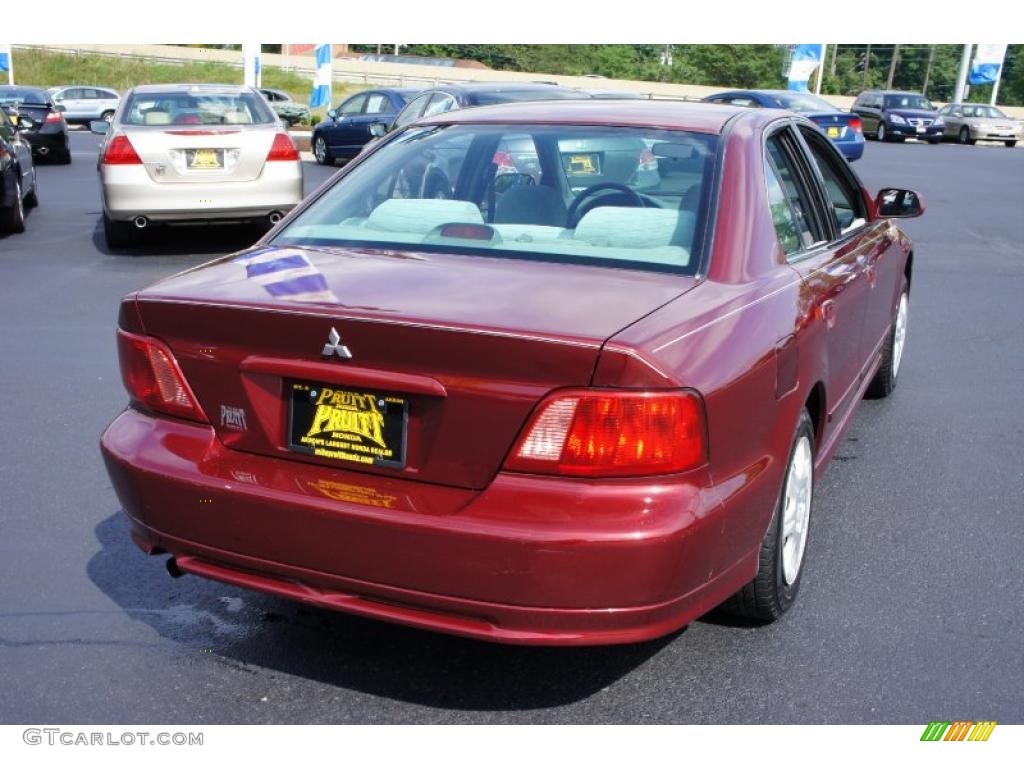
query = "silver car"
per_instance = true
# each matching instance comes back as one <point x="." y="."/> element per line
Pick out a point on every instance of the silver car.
<point x="81" y="103"/>
<point x="968" y="123"/>
<point x="187" y="153"/>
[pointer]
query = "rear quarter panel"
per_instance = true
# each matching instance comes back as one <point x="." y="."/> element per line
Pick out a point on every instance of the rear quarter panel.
<point x="745" y="338"/>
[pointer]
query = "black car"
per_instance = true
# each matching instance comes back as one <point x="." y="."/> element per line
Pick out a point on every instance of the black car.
<point x="896" y="115"/>
<point x="17" y="177"/>
<point x="445" y="98"/>
<point x="40" y="123"/>
<point x="347" y="127"/>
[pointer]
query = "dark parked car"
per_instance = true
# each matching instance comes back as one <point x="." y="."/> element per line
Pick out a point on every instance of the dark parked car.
<point x="347" y="127"/>
<point x="843" y="128"/>
<point x="529" y="413"/>
<point x="897" y="115"/>
<point x="18" y="186"/>
<point x="40" y="123"/>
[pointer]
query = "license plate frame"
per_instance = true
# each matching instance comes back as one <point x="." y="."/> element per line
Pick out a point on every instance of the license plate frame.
<point x="833" y="131"/>
<point x="358" y="428"/>
<point x="200" y="159"/>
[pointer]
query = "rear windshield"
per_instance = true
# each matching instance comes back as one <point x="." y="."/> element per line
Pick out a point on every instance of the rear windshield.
<point x="18" y="95"/>
<point x="907" y="101"/>
<point x="196" y="107"/>
<point x="803" y="102"/>
<point x="627" y="197"/>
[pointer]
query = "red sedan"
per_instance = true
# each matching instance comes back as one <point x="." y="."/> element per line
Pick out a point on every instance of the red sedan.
<point x="577" y="393"/>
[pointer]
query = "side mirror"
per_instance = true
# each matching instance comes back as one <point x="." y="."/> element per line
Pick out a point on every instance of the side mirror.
<point x="332" y="113"/>
<point x="378" y="129"/>
<point x="99" y="126"/>
<point x="898" y="204"/>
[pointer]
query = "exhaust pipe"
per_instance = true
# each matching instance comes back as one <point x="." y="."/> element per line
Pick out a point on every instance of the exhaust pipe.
<point x="275" y="217"/>
<point x="44" y="151"/>
<point x="173" y="569"/>
<point x="140" y="222"/>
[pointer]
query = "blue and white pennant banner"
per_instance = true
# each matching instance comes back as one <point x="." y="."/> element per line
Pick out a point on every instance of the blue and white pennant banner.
<point x="321" y="96"/>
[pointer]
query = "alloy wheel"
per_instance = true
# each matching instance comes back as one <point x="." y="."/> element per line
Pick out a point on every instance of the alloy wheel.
<point x="796" y="510"/>
<point x="900" y="334"/>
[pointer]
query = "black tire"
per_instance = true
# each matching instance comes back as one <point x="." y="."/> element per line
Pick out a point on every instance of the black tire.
<point x="1011" y="144"/>
<point x="119" y="234"/>
<point x="880" y="132"/>
<point x="12" y="218"/>
<point x="108" y="116"/>
<point x="769" y="595"/>
<point x="937" y="140"/>
<point x="888" y="372"/>
<point x="964" y="137"/>
<point x="322" y="152"/>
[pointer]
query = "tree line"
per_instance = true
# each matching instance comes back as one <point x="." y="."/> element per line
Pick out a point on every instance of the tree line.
<point x="848" y="69"/>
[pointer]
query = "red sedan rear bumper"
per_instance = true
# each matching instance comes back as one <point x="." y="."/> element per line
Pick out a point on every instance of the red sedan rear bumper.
<point x="526" y="560"/>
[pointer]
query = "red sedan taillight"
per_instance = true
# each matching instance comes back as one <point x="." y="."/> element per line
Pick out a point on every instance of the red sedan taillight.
<point x="120" y="151"/>
<point x="608" y="433"/>
<point x="856" y="124"/>
<point x="152" y="377"/>
<point x="283" y="148"/>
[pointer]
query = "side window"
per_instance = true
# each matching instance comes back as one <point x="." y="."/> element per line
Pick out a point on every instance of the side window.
<point x="783" y="154"/>
<point x="6" y="129"/>
<point x="91" y="93"/>
<point x="439" y="104"/>
<point x="946" y="110"/>
<point x="353" y="106"/>
<point x="782" y="214"/>
<point x="73" y="93"/>
<point x="743" y="101"/>
<point x="412" y="110"/>
<point x="376" y="103"/>
<point x="847" y="205"/>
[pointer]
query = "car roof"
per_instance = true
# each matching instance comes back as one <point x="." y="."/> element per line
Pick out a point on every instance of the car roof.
<point x="675" y="115"/>
<point x="210" y="87"/>
<point x="469" y="89"/>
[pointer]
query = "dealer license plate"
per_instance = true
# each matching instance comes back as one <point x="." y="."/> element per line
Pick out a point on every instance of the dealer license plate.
<point x="347" y="425"/>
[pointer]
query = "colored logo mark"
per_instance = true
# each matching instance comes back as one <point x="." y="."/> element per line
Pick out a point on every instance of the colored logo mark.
<point x="959" y="730"/>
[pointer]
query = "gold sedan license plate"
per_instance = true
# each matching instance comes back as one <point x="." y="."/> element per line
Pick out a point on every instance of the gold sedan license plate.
<point x="204" y="159"/>
<point x="347" y="425"/>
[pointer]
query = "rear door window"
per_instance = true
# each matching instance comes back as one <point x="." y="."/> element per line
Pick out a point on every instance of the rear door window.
<point x="439" y="104"/>
<point x="784" y="154"/>
<point x="412" y="110"/>
<point x="376" y="103"/>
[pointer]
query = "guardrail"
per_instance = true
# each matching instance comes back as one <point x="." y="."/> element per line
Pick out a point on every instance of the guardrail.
<point x="339" y="75"/>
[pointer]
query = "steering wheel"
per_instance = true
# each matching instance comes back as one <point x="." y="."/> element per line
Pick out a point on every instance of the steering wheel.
<point x="572" y="217"/>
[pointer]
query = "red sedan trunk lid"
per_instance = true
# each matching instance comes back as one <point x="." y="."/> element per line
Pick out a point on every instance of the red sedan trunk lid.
<point x="471" y="343"/>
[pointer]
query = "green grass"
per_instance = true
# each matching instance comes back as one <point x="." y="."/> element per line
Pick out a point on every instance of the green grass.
<point x="45" y="69"/>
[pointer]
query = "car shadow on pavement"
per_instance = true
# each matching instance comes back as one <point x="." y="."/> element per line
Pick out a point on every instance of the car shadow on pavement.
<point x="157" y="240"/>
<point x="258" y="633"/>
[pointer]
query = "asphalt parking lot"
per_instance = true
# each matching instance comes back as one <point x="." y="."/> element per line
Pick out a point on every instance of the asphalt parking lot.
<point x="910" y="609"/>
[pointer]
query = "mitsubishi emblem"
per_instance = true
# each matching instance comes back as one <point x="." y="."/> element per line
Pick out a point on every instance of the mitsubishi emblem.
<point x="335" y="347"/>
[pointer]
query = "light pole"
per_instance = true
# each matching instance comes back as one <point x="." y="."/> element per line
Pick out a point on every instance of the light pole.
<point x="961" y="77"/>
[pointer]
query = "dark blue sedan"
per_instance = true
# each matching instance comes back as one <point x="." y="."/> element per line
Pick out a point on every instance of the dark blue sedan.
<point x="843" y="128"/>
<point x="347" y="127"/>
